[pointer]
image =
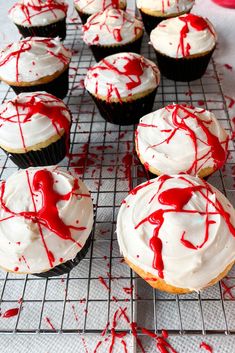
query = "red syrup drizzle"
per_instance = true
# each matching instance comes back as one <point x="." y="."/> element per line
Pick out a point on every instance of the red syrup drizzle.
<point x="26" y="110"/>
<point x="177" y="198"/>
<point x="206" y="347"/>
<point x="10" y="313"/>
<point x="115" y="31"/>
<point x="25" y="45"/>
<point x="120" y="314"/>
<point x="40" y="7"/>
<point x="217" y="151"/>
<point x="198" y="23"/>
<point x="134" y="66"/>
<point x="50" y="323"/>
<point x="48" y="216"/>
<point x="228" y="288"/>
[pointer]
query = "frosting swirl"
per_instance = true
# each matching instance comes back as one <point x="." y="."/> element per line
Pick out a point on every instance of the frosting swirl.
<point x="181" y="139"/>
<point x="166" y="7"/>
<point x="33" y="58"/>
<point x="29" y="13"/>
<point x="122" y="75"/>
<point x="46" y="216"/>
<point x="30" y="119"/>
<point x="183" y="36"/>
<point x="110" y="27"/>
<point x="178" y="228"/>
<point x="92" y="6"/>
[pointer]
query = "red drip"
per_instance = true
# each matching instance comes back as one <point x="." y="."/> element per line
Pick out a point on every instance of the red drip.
<point x="134" y="67"/>
<point x="25" y="46"/>
<point x="217" y="149"/>
<point x="10" y="313"/>
<point x="102" y="281"/>
<point x="206" y="347"/>
<point x="48" y="215"/>
<point x="198" y="23"/>
<point x="177" y="198"/>
<point x="54" y="113"/>
<point x="127" y="161"/>
<point x="49" y="323"/>
<point x="40" y="8"/>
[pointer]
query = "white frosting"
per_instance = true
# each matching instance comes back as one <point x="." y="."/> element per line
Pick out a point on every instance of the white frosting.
<point x="167" y="38"/>
<point x="169" y="148"/>
<point x="33" y="58"/>
<point x="29" y="13"/>
<point x="183" y="267"/>
<point x="110" y="27"/>
<point x="122" y="75"/>
<point x="166" y="7"/>
<point x="92" y="6"/>
<point x="19" y="128"/>
<point x="21" y="242"/>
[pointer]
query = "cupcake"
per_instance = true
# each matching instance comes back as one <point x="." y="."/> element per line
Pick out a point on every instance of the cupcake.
<point x="40" y="18"/>
<point x="177" y="233"/>
<point x="112" y="31"/>
<point x="123" y="86"/>
<point x="36" y="64"/>
<point x="181" y="139"/>
<point x="86" y="8"/>
<point x="34" y="129"/>
<point x="155" y="11"/>
<point x="46" y="221"/>
<point x="184" y="46"/>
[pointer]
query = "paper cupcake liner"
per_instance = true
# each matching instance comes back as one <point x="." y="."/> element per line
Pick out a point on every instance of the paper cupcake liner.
<point x="67" y="266"/>
<point x="57" y="29"/>
<point x="58" y="87"/>
<point x="150" y="22"/>
<point x="100" y="52"/>
<point x="49" y="155"/>
<point x="125" y="113"/>
<point x="83" y="16"/>
<point x="183" y="69"/>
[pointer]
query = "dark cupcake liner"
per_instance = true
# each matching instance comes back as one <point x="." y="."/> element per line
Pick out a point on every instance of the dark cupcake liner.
<point x="125" y="113"/>
<point x="100" y="52"/>
<point x="58" y="87"/>
<point x="150" y="22"/>
<point x="49" y="155"/>
<point x="67" y="266"/>
<point x="57" y="29"/>
<point x="183" y="69"/>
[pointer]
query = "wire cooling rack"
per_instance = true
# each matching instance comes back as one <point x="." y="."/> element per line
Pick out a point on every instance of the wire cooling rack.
<point x="102" y="154"/>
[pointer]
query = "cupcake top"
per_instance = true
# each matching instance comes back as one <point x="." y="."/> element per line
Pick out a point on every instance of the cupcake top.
<point x="92" y="6"/>
<point x="111" y="27"/>
<point x="122" y="75"/>
<point x="33" y="58"/>
<point x="32" y="118"/>
<point x="178" y="228"/>
<point x="29" y="13"/>
<point x="184" y="36"/>
<point x="46" y="217"/>
<point x="181" y="139"/>
<point x="166" y="7"/>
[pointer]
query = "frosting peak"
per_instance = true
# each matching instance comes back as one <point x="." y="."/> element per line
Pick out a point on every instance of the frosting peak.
<point x="93" y="6"/>
<point x="46" y="216"/>
<point x="179" y="228"/>
<point x="33" y="58"/>
<point x="122" y="75"/>
<point x="181" y="139"/>
<point x="30" y="118"/>
<point x="110" y="27"/>
<point x="37" y="12"/>
<point x="166" y="7"/>
<point x="183" y="36"/>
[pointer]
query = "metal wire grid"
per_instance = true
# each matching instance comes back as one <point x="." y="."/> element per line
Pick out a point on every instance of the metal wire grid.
<point x="86" y="299"/>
